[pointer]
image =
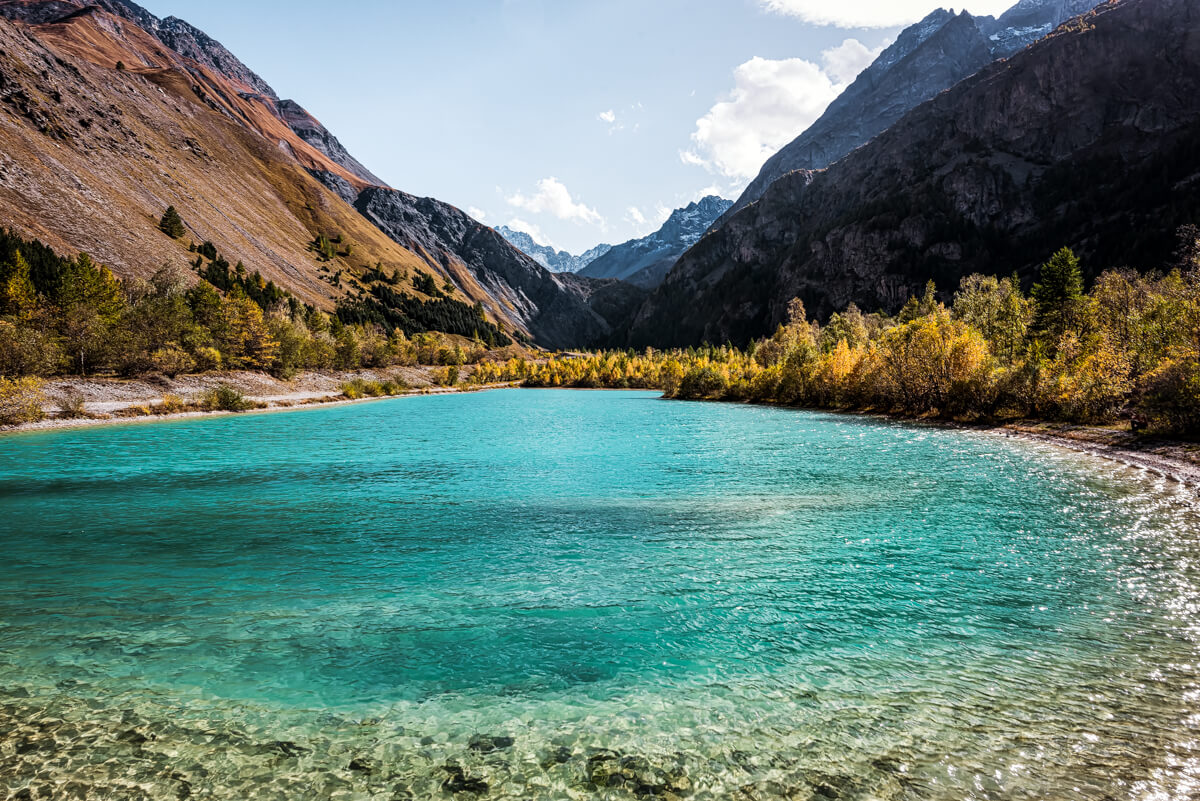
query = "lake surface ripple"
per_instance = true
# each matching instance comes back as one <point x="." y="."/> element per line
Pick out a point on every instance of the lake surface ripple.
<point x="525" y="594"/>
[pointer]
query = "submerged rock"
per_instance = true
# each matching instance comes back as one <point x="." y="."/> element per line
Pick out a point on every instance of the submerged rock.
<point x="636" y="773"/>
<point x="486" y="745"/>
<point x="288" y="748"/>
<point x="559" y="756"/>
<point x="458" y="781"/>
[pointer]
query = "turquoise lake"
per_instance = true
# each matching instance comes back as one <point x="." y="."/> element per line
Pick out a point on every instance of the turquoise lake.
<point x="556" y="594"/>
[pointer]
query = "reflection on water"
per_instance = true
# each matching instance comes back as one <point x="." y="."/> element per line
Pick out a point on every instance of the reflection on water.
<point x="582" y="595"/>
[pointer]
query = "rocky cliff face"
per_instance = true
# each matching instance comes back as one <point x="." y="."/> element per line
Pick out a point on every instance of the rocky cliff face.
<point x="1086" y="139"/>
<point x="308" y="128"/>
<point x="1028" y="21"/>
<point x="926" y="59"/>
<point x="646" y="261"/>
<point x="555" y="309"/>
<point x="556" y="261"/>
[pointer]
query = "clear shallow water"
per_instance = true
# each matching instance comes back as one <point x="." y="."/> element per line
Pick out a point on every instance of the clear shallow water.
<point x="649" y="598"/>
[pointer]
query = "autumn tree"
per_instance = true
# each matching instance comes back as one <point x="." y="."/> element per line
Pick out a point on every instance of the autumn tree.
<point x="246" y="341"/>
<point x="17" y="295"/>
<point x="997" y="309"/>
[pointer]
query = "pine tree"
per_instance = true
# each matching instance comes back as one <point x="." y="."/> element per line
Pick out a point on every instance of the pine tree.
<point x="1056" y="299"/>
<point x="172" y="224"/>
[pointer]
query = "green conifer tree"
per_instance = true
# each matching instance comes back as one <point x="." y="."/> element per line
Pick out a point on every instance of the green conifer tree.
<point x="1056" y="299"/>
<point x="172" y="224"/>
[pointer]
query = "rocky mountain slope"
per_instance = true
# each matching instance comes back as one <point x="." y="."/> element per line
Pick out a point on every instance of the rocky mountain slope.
<point x="556" y="261"/>
<point x="645" y="262"/>
<point x="557" y="312"/>
<point x="109" y="114"/>
<point x="926" y="59"/>
<point x="1087" y="139"/>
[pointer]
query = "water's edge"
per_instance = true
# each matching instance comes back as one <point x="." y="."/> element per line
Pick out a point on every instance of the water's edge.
<point x="1174" y="460"/>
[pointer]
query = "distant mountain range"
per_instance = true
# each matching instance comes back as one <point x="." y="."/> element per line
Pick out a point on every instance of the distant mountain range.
<point x="645" y="262"/>
<point x="1086" y="139"/>
<point x="556" y="261"/>
<point x="642" y="262"/>
<point x="926" y="59"/>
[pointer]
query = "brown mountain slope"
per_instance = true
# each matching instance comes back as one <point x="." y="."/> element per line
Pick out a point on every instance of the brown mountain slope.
<point x="90" y="156"/>
<point x="96" y="36"/>
<point x="1090" y="138"/>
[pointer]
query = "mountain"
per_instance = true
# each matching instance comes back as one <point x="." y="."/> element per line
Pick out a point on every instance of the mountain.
<point x="109" y="114"/>
<point x="926" y="59"/>
<point x="1028" y="21"/>
<point x="557" y="261"/>
<point x="557" y="311"/>
<point x="1086" y="139"/>
<point x="644" y="262"/>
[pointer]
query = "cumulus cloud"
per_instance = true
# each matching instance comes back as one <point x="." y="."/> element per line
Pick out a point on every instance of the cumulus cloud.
<point x="609" y="116"/>
<point x="524" y="227"/>
<point x="477" y="213"/>
<point x="844" y="62"/>
<point x="635" y="216"/>
<point x="710" y="190"/>
<point x="871" y="13"/>
<point x="553" y="198"/>
<point x="771" y="104"/>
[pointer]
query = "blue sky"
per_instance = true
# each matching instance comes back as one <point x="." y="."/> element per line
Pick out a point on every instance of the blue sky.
<point x="578" y="121"/>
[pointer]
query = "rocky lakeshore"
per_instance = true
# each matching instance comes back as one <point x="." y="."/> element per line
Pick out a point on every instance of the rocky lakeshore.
<point x="1172" y="459"/>
<point x="74" y="402"/>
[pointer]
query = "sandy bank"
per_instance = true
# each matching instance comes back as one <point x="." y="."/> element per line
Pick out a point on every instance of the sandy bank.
<point x="113" y="400"/>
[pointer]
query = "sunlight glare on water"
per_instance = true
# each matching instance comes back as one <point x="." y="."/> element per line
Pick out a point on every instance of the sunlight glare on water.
<point x="554" y="594"/>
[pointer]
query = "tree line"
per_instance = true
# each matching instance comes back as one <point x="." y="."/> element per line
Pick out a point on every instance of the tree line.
<point x="61" y="315"/>
<point x="1128" y="348"/>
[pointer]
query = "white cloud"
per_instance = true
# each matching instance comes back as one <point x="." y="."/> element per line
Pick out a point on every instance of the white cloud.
<point x="609" y="116"/>
<point x="711" y="189"/>
<point x="871" y="13"/>
<point x="477" y="213"/>
<point x="553" y="198"/>
<point x="642" y="225"/>
<point x="518" y="224"/>
<point x="844" y="62"/>
<point x="771" y="104"/>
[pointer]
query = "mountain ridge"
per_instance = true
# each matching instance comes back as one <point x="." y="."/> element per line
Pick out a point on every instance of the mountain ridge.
<point x="927" y="58"/>
<point x="1048" y="149"/>
<point x="119" y="124"/>
<point x="645" y="261"/>
<point x="557" y="261"/>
